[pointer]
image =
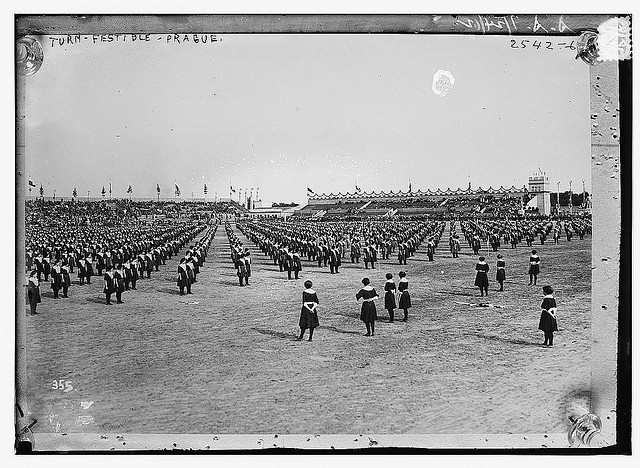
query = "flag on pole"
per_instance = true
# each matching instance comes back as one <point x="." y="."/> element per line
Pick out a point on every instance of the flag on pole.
<point x="205" y="189"/>
<point x="310" y="192"/>
<point x="357" y="188"/>
<point x="158" y="188"/>
<point x="129" y="190"/>
<point x="177" y="191"/>
<point x="31" y="184"/>
<point x="409" y="186"/>
<point x="232" y="189"/>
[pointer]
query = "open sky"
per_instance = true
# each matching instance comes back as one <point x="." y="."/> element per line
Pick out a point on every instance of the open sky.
<point x="281" y="112"/>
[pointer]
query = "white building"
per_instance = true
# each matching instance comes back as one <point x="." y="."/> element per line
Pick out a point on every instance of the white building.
<point x="272" y="212"/>
<point x="539" y="189"/>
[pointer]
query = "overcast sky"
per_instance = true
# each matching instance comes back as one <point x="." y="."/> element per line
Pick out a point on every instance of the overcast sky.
<point x="281" y="112"/>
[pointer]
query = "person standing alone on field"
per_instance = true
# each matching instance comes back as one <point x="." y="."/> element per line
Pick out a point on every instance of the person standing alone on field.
<point x="368" y="312"/>
<point x="534" y="267"/>
<point x="548" y="321"/>
<point x="308" y="313"/>
<point x="482" y="278"/>
<point x="500" y="272"/>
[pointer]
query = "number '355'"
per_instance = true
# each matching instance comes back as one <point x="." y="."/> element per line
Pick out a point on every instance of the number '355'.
<point x="62" y="384"/>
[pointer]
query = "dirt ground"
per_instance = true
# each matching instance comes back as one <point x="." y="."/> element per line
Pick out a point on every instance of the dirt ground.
<point x="224" y="359"/>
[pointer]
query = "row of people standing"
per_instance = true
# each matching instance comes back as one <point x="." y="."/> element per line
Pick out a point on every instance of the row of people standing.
<point x="395" y="297"/>
<point x="52" y="253"/>
<point x="240" y="256"/>
<point x="190" y="264"/>
<point x="482" y="270"/>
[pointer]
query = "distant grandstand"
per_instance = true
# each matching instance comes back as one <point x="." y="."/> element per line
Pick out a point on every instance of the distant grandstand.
<point x="460" y="201"/>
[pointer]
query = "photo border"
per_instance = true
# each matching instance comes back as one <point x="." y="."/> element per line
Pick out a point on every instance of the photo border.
<point x="610" y="85"/>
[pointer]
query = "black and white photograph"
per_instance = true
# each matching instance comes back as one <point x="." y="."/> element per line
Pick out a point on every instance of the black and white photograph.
<point x="254" y="232"/>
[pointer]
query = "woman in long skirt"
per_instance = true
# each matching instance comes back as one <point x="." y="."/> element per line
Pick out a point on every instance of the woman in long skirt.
<point x="308" y="313"/>
<point x="500" y="272"/>
<point x="390" y="296"/>
<point x="548" y="321"/>
<point x="405" y="299"/>
<point x="368" y="312"/>
<point x="482" y="279"/>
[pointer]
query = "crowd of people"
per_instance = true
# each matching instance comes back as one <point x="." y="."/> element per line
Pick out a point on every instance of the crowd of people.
<point x="331" y="243"/>
<point x="120" y="244"/>
<point x="89" y="240"/>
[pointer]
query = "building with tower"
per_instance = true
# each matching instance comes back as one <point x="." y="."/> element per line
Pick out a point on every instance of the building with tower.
<point x="540" y="192"/>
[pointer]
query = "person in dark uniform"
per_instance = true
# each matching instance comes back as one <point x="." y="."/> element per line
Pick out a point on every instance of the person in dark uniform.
<point x="405" y="298"/>
<point x="247" y="266"/>
<point x="33" y="291"/>
<point x="100" y="265"/>
<point x="319" y="254"/>
<point x="308" y="313"/>
<point x="529" y="238"/>
<point x="374" y="255"/>
<point x="534" y="267"/>
<point x="109" y="286"/>
<point x="475" y="244"/>
<point x="141" y="266"/>
<point x="88" y="269"/>
<point x="402" y="254"/>
<point x="37" y="264"/>
<point x="66" y="278"/>
<point x="431" y="248"/>
<point x="242" y="269"/>
<point x="297" y="264"/>
<point x="367" y="257"/>
<point x="355" y="252"/>
<point x="495" y="241"/>
<point x="126" y="268"/>
<point x="183" y="277"/>
<point x="482" y="279"/>
<point x="82" y="269"/>
<point x="390" y="296"/>
<point x="333" y="261"/>
<point x="46" y="268"/>
<point x="118" y="282"/>
<point x="368" y="312"/>
<point x="148" y="261"/>
<point x="191" y="275"/>
<point x="455" y="246"/>
<point x="548" y="320"/>
<point x="134" y="273"/>
<point x="500" y="272"/>
<point x="56" y="280"/>
<point x="288" y="263"/>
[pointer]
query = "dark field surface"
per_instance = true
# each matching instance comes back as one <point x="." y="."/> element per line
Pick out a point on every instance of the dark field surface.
<point x="224" y="361"/>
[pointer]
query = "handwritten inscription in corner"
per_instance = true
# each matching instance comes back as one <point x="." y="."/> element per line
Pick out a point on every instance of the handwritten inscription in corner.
<point x="510" y="24"/>
<point x="485" y="23"/>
